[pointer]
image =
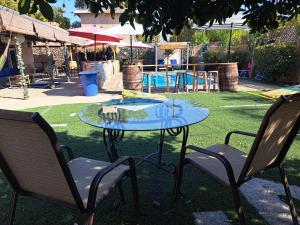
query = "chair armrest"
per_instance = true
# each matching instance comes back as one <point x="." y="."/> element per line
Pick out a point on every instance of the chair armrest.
<point x="99" y="176"/>
<point x="221" y="158"/>
<point x="68" y="150"/>
<point x="227" y="138"/>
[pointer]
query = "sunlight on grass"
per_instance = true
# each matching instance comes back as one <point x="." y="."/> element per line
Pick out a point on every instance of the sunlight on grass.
<point x="202" y="193"/>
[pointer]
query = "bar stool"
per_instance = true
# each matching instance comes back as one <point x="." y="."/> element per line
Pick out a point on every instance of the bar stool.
<point x="184" y="76"/>
<point x="213" y="79"/>
<point x="199" y="74"/>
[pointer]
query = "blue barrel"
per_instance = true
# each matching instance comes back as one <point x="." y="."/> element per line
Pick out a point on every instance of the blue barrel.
<point x="89" y="82"/>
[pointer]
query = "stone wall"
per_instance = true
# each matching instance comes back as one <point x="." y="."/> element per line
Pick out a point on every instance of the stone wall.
<point x="39" y="54"/>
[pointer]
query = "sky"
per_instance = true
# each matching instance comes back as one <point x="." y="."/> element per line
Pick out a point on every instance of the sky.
<point x="68" y="9"/>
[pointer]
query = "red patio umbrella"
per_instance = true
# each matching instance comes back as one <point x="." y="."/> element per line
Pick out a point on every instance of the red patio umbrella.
<point x="93" y="33"/>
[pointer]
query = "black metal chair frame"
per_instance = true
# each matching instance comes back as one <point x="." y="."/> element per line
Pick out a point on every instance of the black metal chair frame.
<point x="87" y="212"/>
<point x="243" y="178"/>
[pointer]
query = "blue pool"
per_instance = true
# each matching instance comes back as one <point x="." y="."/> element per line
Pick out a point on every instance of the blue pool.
<point x="160" y="79"/>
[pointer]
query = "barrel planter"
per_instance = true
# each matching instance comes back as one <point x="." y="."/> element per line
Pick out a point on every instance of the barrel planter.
<point x="132" y="77"/>
<point x="228" y="77"/>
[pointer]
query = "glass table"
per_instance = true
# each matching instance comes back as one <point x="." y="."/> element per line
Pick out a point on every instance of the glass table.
<point x="171" y="116"/>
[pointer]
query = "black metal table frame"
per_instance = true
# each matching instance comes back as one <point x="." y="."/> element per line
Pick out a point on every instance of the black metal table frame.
<point x="111" y="137"/>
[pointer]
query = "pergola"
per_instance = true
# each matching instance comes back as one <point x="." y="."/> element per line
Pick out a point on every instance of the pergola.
<point x="12" y="23"/>
<point x="236" y="22"/>
<point x="172" y="46"/>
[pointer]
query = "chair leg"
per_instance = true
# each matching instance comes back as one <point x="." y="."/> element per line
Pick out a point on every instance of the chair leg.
<point x="121" y="192"/>
<point x="288" y="194"/>
<point x="238" y="205"/>
<point x="12" y="208"/>
<point x="176" y="80"/>
<point x="88" y="219"/>
<point x="134" y="185"/>
<point x="178" y="176"/>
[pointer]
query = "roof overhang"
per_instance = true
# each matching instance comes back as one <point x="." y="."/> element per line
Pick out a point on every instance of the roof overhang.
<point x="173" y="45"/>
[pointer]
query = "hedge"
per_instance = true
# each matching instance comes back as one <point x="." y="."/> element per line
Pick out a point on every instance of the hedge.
<point x="274" y="61"/>
<point x="241" y="57"/>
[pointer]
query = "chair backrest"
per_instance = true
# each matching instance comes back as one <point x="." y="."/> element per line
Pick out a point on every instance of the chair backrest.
<point x="275" y="135"/>
<point x="31" y="160"/>
<point x="173" y="61"/>
<point x="160" y="62"/>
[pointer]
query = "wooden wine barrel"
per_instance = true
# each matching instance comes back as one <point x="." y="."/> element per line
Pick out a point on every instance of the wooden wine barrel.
<point x="132" y="77"/>
<point x="228" y="77"/>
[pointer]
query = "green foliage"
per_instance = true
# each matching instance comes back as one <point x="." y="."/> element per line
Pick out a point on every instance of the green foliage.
<point x="214" y="57"/>
<point x="239" y="37"/>
<point x="185" y="35"/>
<point x="76" y="24"/>
<point x="170" y="17"/>
<point x="9" y="4"/>
<point x="56" y="13"/>
<point x="200" y="38"/>
<point x="275" y="60"/>
<point x="241" y="57"/>
<point x="223" y="36"/>
<point x="219" y="36"/>
<point x="59" y="18"/>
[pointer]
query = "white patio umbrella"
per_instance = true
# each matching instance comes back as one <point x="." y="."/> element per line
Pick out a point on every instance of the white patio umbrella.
<point x="126" y="29"/>
<point x="236" y="22"/>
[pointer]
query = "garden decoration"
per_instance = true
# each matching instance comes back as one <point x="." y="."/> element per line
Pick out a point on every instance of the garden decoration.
<point x="50" y="65"/>
<point x="20" y="62"/>
<point x="66" y="59"/>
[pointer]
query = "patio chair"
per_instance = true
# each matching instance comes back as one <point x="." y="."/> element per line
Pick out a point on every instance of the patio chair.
<point x="232" y="167"/>
<point x="34" y="164"/>
<point x="175" y="65"/>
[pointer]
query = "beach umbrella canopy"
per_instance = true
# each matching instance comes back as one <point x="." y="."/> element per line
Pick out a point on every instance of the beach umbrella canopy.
<point x="93" y="33"/>
<point x="137" y="44"/>
<point x="126" y="29"/>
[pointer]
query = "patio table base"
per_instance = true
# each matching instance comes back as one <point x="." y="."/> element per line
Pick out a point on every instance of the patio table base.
<point x="112" y="137"/>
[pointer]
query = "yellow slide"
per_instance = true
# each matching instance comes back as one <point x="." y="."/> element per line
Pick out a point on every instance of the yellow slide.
<point x="282" y="91"/>
<point x="138" y="94"/>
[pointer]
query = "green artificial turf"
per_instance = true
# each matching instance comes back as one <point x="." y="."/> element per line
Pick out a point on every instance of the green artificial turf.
<point x="157" y="201"/>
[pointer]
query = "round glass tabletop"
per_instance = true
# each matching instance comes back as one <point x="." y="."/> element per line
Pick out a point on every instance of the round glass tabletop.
<point x="137" y="114"/>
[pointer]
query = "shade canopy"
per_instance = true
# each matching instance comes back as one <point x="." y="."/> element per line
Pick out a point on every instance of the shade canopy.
<point x="120" y="44"/>
<point x="173" y="45"/>
<point x="233" y="23"/>
<point x="93" y="33"/>
<point x="12" y="21"/>
<point x="126" y="29"/>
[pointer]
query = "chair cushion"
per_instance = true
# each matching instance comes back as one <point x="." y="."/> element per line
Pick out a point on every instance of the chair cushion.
<point x="214" y="167"/>
<point x="84" y="170"/>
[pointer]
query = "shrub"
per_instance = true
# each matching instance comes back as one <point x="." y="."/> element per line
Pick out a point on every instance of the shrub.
<point x="214" y="57"/>
<point x="241" y="57"/>
<point x="275" y="61"/>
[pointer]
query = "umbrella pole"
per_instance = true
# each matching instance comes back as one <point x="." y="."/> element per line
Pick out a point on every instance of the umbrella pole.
<point x="131" y="49"/>
<point x="95" y="47"/>
<point x="229" y="44"/>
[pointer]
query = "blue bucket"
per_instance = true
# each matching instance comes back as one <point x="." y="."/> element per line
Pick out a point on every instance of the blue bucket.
<point x="89" y="82"/>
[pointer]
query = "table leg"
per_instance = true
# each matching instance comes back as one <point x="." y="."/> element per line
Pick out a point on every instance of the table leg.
<point x="110" y="138"/>
<point x="179" y="168"/>
<point x="160" y="146"/>
<point x="149" y="83"/>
